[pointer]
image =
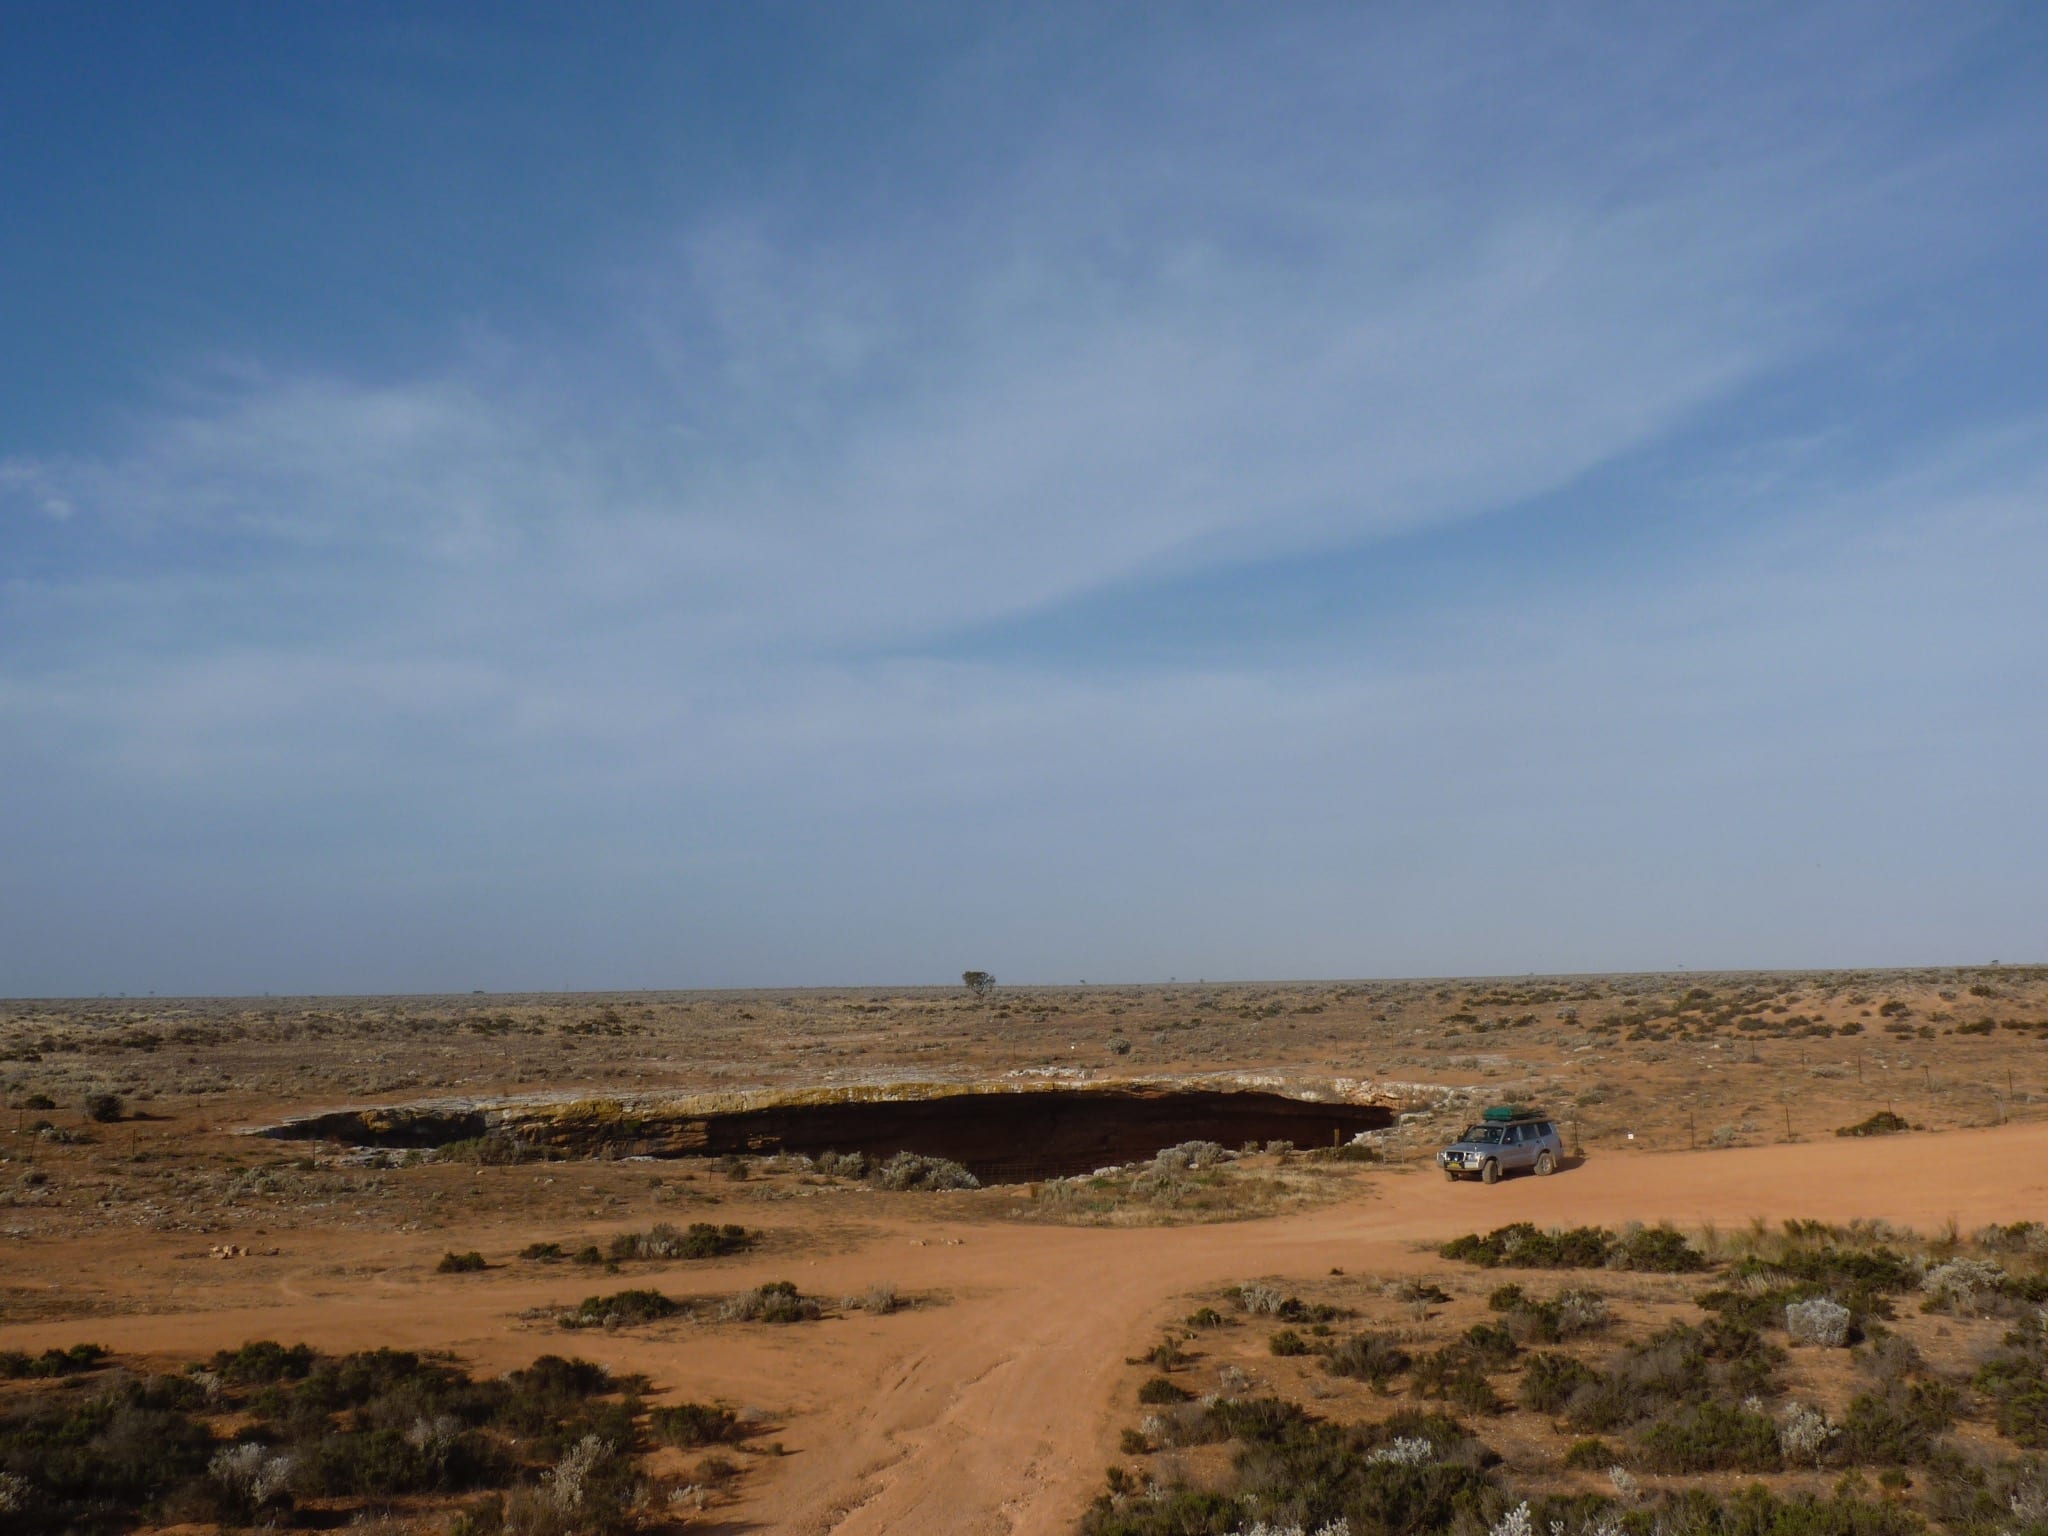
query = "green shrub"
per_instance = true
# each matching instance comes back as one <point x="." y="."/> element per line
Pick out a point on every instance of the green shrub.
<point x="778" y="1301"/>
<point x="1711" y="1437"/>
<point x="2023" y="1418"/>
<point x="1679" y="1365"/>
<point x="1658" y="1250"/>
<point x="74" y="1361"/>
<point x="1264" y="1301"/>
<point x="1898" y="1426"/>
<point x="385" y="1461"/>
<point x="1756" y="1511"/>
<point x="1413" y="1474"/>
<point x="265" y="1360"/>
<point x="1287" y="1342"/>
<point x="551" y="1385"/>
<point x="1883" y="1123"/>
<point x="361" y="1429"/>
<point x="1862" y="1279"/>
<point x="1549" y="1382"/>
<point x="1455" y="1374"/>
<point x="1420" y="1292"/>
<point x="97" y="1463"/>
<point x="1159" y="1389"/>
<point x="1167" y="1354"/>
<point x="909" y="1170"/>
<point x="702" y="1240"/>
<point x="695" y="1424"/>
<point x="1492" y="1345"/>
<point x="1568" y="1315"/>
<point x="460" y="1263"/>
<point x="1590" y="1456"/>
<point x="496" y="1149"/>
<point x="1522" y="1245"/>
<point x="1367" y="1357"/>
<point x="621" y="1309"/>
<point x="1841" y="1270"/>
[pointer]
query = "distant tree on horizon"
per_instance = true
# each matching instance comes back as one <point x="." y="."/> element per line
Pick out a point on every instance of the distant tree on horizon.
<point x="980" y="983"/>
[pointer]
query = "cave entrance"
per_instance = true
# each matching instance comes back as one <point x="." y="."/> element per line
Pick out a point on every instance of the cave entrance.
<point x="1044" y="1134"/>
<point x="1001" y="1137"/>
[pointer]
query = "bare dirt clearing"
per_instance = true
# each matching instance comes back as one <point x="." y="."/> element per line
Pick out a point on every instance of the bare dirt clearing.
<point x="995" y="1403"/>
<point x="997" y="1410"/>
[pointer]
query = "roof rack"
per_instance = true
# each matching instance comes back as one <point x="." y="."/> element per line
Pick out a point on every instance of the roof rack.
<point x="1500" y="1113"/>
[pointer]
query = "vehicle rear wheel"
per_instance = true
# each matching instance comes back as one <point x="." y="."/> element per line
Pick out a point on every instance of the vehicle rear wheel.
<point x="1491" y="1172"/>
<point x="1545" y="1164"/>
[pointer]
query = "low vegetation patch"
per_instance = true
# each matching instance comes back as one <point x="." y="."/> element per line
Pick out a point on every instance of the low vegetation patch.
<point x="1522" y="1245"/>
<point x="1368" y="1357"/>
<point x="779" y="1301"/>
<point x="621" y="1309"/>
<point x="1883" y="1123"/>
<point x="1711" y="1436"/>
<point x="1265" y="1301"/>
<point x="1413" y="1473"/>
<point x="699" y="1240"/>
<point x="913" y="1171"/>
<point x="1828" y="1309"/>
<point x="1198" y="1181"/>
<point x="662" y="1242"/>
<point x="497" y="1149"/>
<point x="79" y="1358"/>
<point x="1664" y="1428"/>
<point x="2015" y="1379"/>
<point x="270" y="1435"/>
<point x="1680" y="1367"/>
<point x="695" y="1424"/>
<point x="1571" y="1314"/>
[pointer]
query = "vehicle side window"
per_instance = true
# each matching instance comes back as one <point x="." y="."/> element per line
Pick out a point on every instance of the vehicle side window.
<point x="1546" y="1129"/>
<point x="1515" y="1135"/>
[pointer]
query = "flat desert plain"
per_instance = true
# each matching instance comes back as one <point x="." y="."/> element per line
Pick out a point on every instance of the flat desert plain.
<point x="970" y="1359"/>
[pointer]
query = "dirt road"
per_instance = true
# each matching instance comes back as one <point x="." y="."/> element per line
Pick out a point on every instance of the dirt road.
<point x="997" y="1411"/>
<point x="998" y="1418"/>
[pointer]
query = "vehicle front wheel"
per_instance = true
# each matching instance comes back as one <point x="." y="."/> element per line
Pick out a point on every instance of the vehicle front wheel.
<point x="1491" y="1172"/>
<point x="1451" y="1174"/>
<point x="1546" y="1165"/>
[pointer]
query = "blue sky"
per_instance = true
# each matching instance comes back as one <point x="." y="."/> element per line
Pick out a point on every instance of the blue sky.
<point x="532" y="497"/>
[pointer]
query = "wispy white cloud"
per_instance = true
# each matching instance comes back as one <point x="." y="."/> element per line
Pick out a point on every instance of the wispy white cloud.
<point x="1122" y="355"/>
<point x="632" y="613"/>
<point x="35" y="486"/>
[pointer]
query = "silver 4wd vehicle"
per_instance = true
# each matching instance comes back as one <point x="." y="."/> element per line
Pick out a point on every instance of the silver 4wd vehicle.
<point x="1503" y="1143"/>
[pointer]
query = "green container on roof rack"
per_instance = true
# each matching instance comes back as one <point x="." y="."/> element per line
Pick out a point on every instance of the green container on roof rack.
<point x="1508" y="1112"/>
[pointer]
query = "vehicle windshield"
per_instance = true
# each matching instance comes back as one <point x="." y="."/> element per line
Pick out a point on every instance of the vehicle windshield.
<point x="1489" y="1134"/>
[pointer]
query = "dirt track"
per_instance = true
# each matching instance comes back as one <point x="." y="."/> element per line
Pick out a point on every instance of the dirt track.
<point x="996" y="1411"/>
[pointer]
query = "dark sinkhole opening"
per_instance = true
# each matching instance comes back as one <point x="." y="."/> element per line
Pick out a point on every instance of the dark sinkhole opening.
<point x="1000" y="1137"/>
